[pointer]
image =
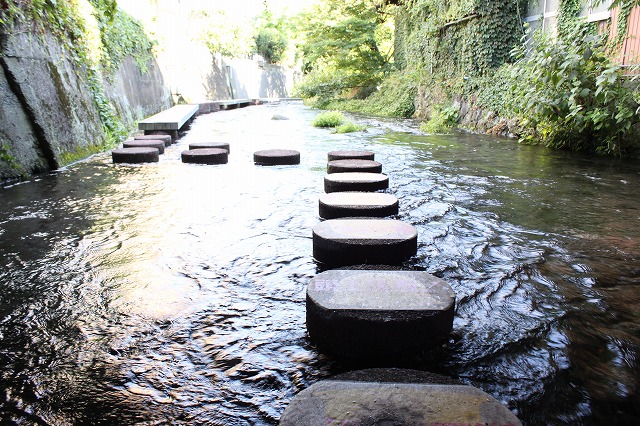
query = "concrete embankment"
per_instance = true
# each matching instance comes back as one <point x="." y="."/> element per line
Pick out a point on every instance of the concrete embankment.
<point x="48" y="114"/>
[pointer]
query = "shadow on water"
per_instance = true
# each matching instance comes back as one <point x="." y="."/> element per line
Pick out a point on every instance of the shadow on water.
<point x="175" y="293"/>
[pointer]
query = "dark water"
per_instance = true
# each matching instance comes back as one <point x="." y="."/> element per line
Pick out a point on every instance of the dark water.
<point x="173" y="293"/>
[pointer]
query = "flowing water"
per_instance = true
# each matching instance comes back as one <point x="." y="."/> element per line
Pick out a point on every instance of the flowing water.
<point x="174" y="293"/>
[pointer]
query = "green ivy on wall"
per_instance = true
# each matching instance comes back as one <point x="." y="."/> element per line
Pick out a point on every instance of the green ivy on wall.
<point x="119" y="36"/>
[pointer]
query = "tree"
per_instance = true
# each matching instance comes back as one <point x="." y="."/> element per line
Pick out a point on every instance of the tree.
<point x="347" y="47"/>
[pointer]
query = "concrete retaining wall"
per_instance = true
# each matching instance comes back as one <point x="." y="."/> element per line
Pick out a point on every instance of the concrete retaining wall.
<point x="471" y="116"/>
<point x="47" y="113"/>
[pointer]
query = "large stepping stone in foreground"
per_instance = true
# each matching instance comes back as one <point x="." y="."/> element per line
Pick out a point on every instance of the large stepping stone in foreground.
<point x="164" y="138"/>
<point x="148" y="143"/>
<point x="276" y="157"/>
<point x="378" y="313"/>
<point x="205" y="156"/>
<point x="380" y="399"/>
<point x="205" y="145"/>
<point x="350" y="155"/>
<point x="135" y="155"/>
<point x="355" y="181"/>
<point x="340" y="242"/>
<point x="357" y="204"/>
<point x="345" y="166"/>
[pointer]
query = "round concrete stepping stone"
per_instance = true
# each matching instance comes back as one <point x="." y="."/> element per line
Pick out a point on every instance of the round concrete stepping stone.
<point x="378" y="313"/>
<point x="380" y="402"/>
<point x="205" y="156"/>
<point x="357" y="204"/>
<point x="274" y="157"/>
<point x="345" y="166"/>
<point x="135" y="155"/>
<point x="205" y="145"/>
<point x="355" y="181"/>
<point x="147" y="143"/>
<point x="340" y="242"/>
<point x="350" y="155"/>
<point x="165" y="138"/>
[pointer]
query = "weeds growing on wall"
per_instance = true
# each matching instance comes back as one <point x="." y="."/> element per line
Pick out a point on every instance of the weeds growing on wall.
<point x="119" y="36"/>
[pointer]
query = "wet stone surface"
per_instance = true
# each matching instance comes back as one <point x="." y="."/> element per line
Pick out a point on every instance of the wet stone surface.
<point x="378" y="403"/>
<point x="165" y="138"/>
<point x="350" y="155"/>
<point x="135" y="155"/>
<point x="378" y="314"/>
<point x="355" y="181"/>
<point x="363" y="241"/>
<point x="145" y="143"/>
<point x="345" y="166"/>
<point x="357" y="204"/>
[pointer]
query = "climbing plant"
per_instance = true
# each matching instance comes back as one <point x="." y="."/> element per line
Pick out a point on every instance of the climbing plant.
<point x="119" y="36"/>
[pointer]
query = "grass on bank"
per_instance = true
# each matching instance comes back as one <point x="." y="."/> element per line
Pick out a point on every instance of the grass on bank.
<point x="329" y="119"/>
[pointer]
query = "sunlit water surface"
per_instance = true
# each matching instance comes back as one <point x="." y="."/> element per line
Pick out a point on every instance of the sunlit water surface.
<point x="174" y="293"/>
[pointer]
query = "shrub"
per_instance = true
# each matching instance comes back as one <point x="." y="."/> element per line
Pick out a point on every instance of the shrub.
<point x="442" y="120"/>
<point x="271" y="44"/>
<point x="329" y="119"/>
<point x="350" y="127"/>
<point x="570" y="95"/>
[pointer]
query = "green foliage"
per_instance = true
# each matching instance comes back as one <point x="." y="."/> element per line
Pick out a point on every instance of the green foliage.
<point x="223" y="37"/>
<point x="350" y="127"/>
<point x="329" y="119"/>
<point x="271" y="44"/>
<point x="570" y="95"/>
<point x="568" y="10"/>
<point x="343" y="49"/>
<point x="9" y="160"/>
<point x="121" y="36"/>
<point x="460" y="37"/>
<point x="442" y="121"/>
<point x="272" y="36"/>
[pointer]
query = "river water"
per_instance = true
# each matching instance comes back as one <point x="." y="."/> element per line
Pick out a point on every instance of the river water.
<point x="174" y="293"/>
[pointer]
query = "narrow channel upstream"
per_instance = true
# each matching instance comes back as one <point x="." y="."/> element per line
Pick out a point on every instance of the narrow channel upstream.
<point x="175" y="293"/>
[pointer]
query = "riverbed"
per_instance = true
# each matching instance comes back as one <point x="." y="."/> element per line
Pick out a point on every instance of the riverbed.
<point x="175" y="293"/>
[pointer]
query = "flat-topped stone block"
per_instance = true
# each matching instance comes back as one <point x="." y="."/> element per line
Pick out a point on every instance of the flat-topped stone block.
<point x="340" y="242"/>
<point x="344" y="166"/>
<point x="350" y="155"/>
<point x="165" y="138"/>
<point x="275" y="157"/>
<point x="171" y="119"/>
<point x="377" y="402"/>
<point x="148" y="143"/>
<point x="378" y="313"/>
<point x="205" y="156"/>
<point x="135" y="155"/>
<point x="206" y="145"/>
<point x="357" y="204"/>
<point x="355" y="181"/>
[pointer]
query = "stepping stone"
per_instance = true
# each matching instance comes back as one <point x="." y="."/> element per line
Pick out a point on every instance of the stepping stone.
<point x="135" y="155"/>
<point x="369" y="182"/>
<point x="357" y="204"/>
<point x="205" y="145"/>
<point x="148" y="143"/>
<point x="350" y="155"/>
<point x="381" y="399"/>
<point x="274" y="157"/>
<point x="344" y="166"/>
<point x="378" y="313"/>
<point x="340" y="242"/>
<point x="173" y="134"/>
<point x="165" y="138"/>
<point x="205" y="156"/>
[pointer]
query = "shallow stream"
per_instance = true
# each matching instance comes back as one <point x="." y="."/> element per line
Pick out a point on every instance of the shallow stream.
<point x="174" y="293"/>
